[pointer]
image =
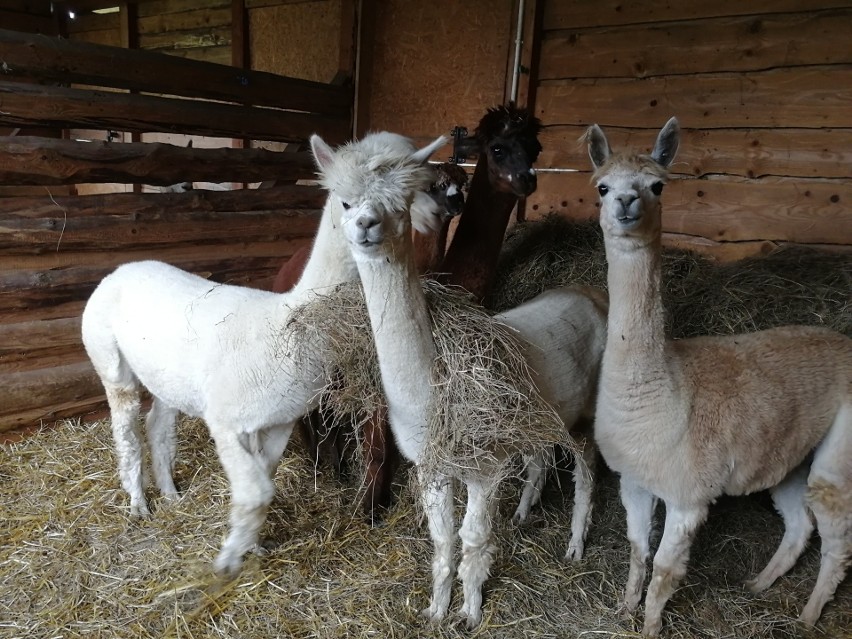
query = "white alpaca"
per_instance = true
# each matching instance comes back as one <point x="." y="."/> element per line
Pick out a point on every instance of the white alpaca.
<point x="222" y="352"/>
<point x="567" y="327"/>
<point x="690" y="420"/>
<point x="381" y="244"/>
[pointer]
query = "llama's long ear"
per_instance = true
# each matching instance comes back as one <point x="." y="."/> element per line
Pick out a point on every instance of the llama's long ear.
<point x="599" y="149"/>
<point x="422" y="155"/>
<point x="323" y="153"/>
<point x="667" y="143"/>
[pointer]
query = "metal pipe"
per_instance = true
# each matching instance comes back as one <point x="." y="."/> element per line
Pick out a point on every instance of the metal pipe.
<point x="519" y="40"/>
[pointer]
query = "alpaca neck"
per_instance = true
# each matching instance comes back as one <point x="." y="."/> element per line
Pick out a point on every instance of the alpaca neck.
<point x="471" y="260"/>
<point x="429" y="248"/>
<point x="402" y="331"/>
<point x="636" y="324"/>
<point x="330" y="262"/>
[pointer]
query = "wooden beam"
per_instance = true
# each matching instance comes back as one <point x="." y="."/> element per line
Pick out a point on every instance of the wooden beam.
<point x="348" y="39"/>
<point x="366" y="43"/>
<point x="42" y="161"/>
<point x="56" y="60"/>
<point x="33" y="105"/>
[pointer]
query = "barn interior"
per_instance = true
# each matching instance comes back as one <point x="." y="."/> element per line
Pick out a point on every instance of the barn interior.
<point x="105" y="105"/>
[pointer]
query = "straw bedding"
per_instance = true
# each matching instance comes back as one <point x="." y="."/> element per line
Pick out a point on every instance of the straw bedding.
<point x="73" y="564"/>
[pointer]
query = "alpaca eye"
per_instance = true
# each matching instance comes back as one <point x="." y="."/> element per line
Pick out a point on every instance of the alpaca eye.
<point x="657" y="188"/>
<point x="603" y="189"/>
<point x="497" y="151"/>
<point x="346" y="205"/>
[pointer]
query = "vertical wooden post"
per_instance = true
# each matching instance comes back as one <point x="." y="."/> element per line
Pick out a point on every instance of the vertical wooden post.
<point x="240" y="55"/>
<point x="365" y="48"/>
<point x="129" y="27"/>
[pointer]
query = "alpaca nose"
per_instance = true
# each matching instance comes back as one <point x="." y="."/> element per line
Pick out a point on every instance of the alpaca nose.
<point x="627" y="199"/>
<point x="366" y="222"/>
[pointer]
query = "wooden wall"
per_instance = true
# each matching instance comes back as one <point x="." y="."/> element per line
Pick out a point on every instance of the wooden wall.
<point x="55" y="248"/>
<point x="437" y="64"/>
<point x="762" y="89"/>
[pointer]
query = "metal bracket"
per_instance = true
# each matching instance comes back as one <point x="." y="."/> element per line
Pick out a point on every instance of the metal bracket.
<point x="458" y="133"/>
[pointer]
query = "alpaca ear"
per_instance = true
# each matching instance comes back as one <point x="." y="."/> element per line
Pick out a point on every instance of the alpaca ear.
<point x="422" y="155"/>
<point x="599" y="149"/>
<point x="667" y="143"/>
<point x="323" y="154"/>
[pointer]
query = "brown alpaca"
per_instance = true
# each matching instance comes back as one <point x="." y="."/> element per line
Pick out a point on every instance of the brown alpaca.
<point x="506" y="141"/>
<point x="690" y="420"/>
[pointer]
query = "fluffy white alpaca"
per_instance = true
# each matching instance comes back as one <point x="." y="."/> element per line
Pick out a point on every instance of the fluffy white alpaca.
<point x="381" y="244"/>
<point x="222" y="353"/>
<point x="566" y="330"/>
<point x="690" y="420"/>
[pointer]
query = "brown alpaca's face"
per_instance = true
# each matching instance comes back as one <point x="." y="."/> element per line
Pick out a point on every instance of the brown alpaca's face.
<point x="510" y="163"/>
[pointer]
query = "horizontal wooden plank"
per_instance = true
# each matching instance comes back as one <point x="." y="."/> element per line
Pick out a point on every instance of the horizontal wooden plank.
<point x="35" y="334"/>
<point x="746" y="43"/>
<point x="213" y="55"/>
<point x="30" y="290"/>
<point x="31" y="105"/>
<point x="159" y="204"/>
<point x="193" y="39"/>
<point x="107" y="232"/>
<point x="45" y="394"/>
<point x="27" y="22"/>
<point x="807" y="97"/>
<point x="101" y="37"/>
<point x="595" y="13"/>
<point x="12" y="361"/>
<point x="812" y="153"/>
<point x="730" y="210"/>
<point x="57" y="60"/>
<point x="185" y="20"/>
<point x="33" y="389"/>
<point x="162" y="7"/>
<point x="33" y="161"/>
<point x="33" y="7"/>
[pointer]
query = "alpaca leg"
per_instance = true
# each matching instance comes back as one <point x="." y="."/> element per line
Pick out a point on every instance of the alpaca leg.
<point x="437" y="495"/>
<point x="270" y="444"/>
<point x="789" y="499"/>
<point x="830" y="498"/>
<point x="535" y="467"/>
<point x="251" y="493"/>
<point x="670" y="562"/>
<point x="584" y="481"/>
<point x="381" y="457"/>
<point x="639" y="504"/>
<point x="124" y="402"/>
<point x="160" y="426"/>
<point x="477" y="548"/>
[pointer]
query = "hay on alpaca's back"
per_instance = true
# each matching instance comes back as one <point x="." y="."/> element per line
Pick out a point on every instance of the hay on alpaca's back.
<point x="485" y="405"/>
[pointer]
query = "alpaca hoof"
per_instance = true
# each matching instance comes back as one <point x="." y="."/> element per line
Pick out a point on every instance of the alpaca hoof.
<point x="227" y="565"/>
<point x="652" y="628"/>
<point x="519" y="517"/>
<point x="433" y="616"/>
<point x="626" y="608"/>
<point x="472" y="618"/>
<point x="808" y="618"/>
<point x="756" y="585"/>
<point x="574" y="552"/>
<point x="140" y="511"/>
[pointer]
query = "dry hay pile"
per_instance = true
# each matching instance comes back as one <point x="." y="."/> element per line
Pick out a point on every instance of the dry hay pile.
<point x="791" y="285"/>
<point x="485" y="405"/>
<point x="73" y="564"/>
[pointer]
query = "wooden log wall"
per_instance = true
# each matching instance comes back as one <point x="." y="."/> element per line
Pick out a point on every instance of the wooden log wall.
<point x="762" y="90"/>
<point x="55" y="248"/>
